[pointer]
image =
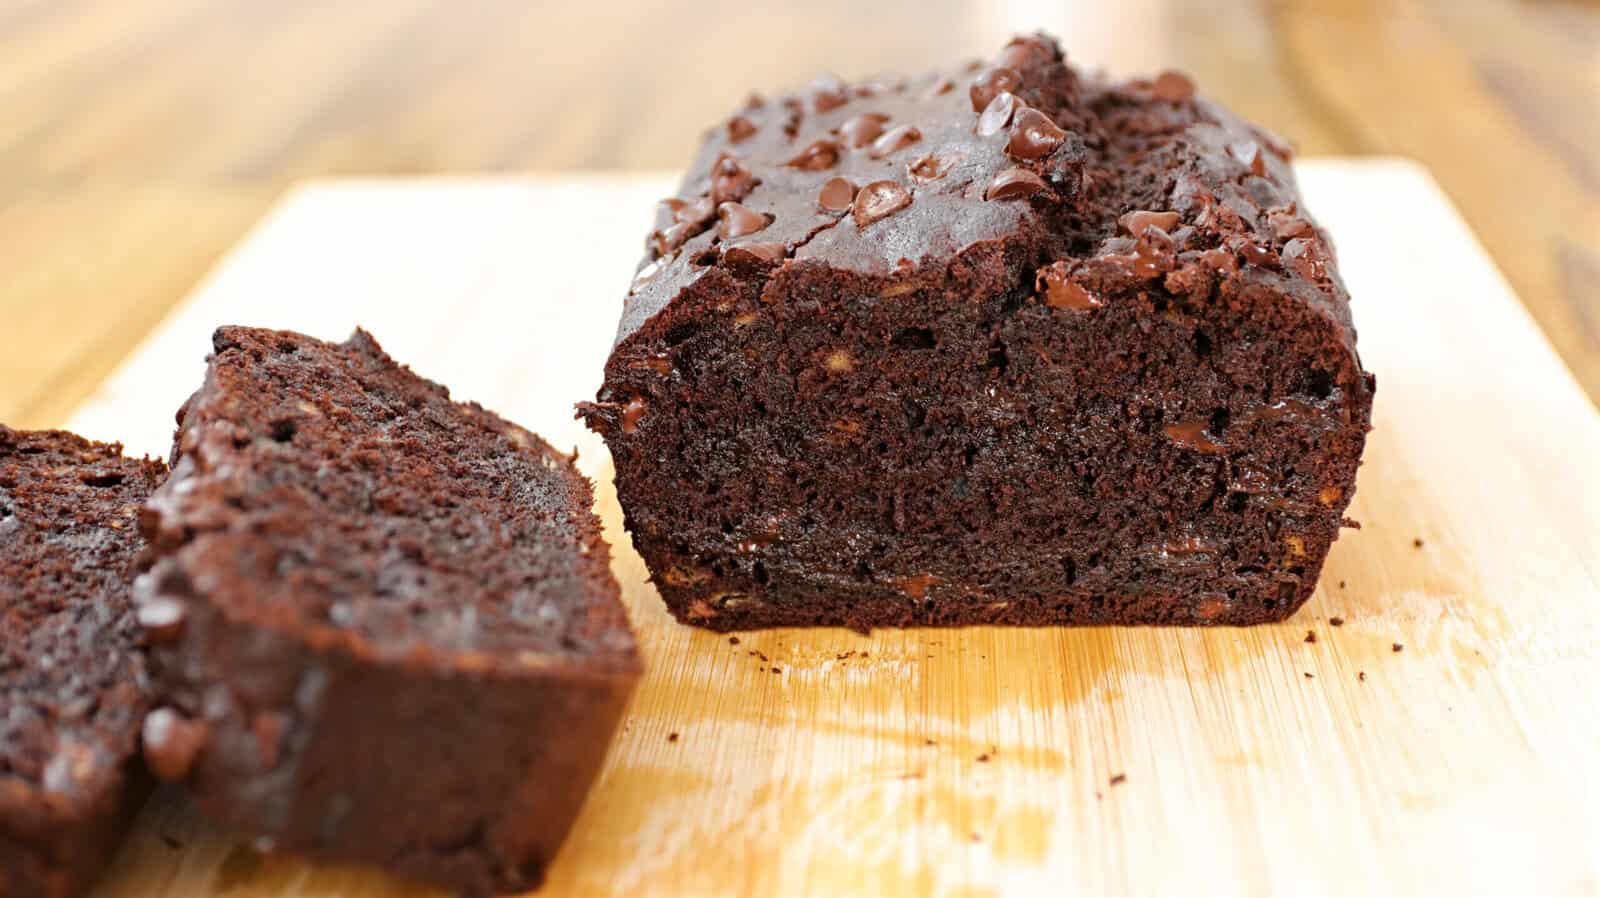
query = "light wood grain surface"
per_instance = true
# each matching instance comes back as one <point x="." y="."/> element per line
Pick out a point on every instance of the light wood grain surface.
<point x="1441" y="741"/>
<point x="140" y="138"/>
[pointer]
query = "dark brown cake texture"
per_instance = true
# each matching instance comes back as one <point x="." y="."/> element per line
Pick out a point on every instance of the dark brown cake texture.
<point x="391" y="635"/>
<point x="1005" y="344"/>
<point x="73" y="687"/>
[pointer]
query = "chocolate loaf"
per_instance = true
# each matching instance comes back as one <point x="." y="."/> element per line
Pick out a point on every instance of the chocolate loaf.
<point x="1003" y="344"/>
<point x="73" y="685"/>
<point x="390" y="633"/>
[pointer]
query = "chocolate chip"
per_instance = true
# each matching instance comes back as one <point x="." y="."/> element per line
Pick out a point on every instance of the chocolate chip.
<point x="1055" y="282"/>
<point x="1014" y="183"/>
<point x="1174" y="87"/>
<point x="894" y="141"/>
<point x="991" y="83"/>
<point x="1248" y="152"/>
<point x="1220" y="261"/>
<point x="740" y="129"/>
<point x="879" y="200"/>
<point x="696" y="212"/>
<point x="754" y="254"/>
<point x="1306" y="258"/>
<point x="860" y="130"/>
<point x="836" y="196"/>
<point x="927" y="168"/>
<point x="997" y="114"/>
<point x="730" y="181"/>
<point x="1286" y="224"/>
<point x="734" y="220"/>
<point x="818" y="155"/>
<point x="664" y="242"/>
<point x="1034" y="135"/>
<point x="161" y="618"/>
<point x="172" y="742"/>
<point x="1022" y="50"/>
<point x="827" y="92"/>
<point x="633" y="413"/>
<point x="939" y="88"/>
<point x="1258" y="255"/>
<point x="1137" y="221"/>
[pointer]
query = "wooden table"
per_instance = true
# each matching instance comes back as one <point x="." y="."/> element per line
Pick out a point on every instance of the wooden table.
<point x="140" y="138"/>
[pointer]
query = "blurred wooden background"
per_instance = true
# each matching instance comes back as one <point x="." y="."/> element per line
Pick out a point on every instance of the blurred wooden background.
<point x="141" y="138"/>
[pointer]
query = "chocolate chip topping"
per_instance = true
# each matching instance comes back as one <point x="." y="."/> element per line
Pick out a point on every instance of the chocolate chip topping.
<point x="894" y="141"/>
<point x="991" y="83"/>
<point x="1034" y="136"/>
<point x="1173" y="87"/>
<point x="1248" y="152"/>
<point x="997" y="115"/>
<point x="172" y="742"/>
<point x="818" y="155"/>
<point x="731" y="181"/>
<point x="1137" y="221"/>
<point x="735" y="221"/>
<point x="1055" y="282"/>
<point x="740" y="128"/>
<point x="939" y="88"/>
<point x="828" y="93"/>
<point x="860" y="130"/>
<point x="759" y="254"/>
<point x="879" y="200"/>
<point x="161" y="618"/>
<point x="1014" y="183"/>
<point x="836" y="196"/>
<point x="926" y="168"/>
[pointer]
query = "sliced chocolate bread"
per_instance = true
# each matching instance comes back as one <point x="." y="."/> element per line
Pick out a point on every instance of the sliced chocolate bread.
<point x="389" y="634"/>
<point x="73" y="687"/>
<point x="1002" y="344"/>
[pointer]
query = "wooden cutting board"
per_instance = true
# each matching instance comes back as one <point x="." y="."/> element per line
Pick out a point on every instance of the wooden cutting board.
<point x="1444" y="740"/>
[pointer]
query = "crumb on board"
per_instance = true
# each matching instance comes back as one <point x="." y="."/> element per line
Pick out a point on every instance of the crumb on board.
<point x="983" y="758"/>
<point x="1361" y="675"/>
<point x="1119" y="779"/>
<point x="1397" y="647"/>
<point x="777" y="670"/>
<point x="1311" y="636"/>
<point x="929" y="742"/>
<point x="672" y="737"/>
<point x="1310" y="675"/>
<point x="1336" y="621"/>
<point x="1341" y="584"/>
<point x="1417" y="542"/>
<point x="733" y="640"/>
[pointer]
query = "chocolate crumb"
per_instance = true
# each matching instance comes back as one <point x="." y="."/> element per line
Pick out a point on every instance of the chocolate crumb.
<point x="1341" y="584"/>
<point x="672" y="737"/>
<point x="929" y="742"/>
<point x="1361" y="675"/>
<point x="1119" y="779"/>
<point x="1336" y="621"/>
<point x="1311" y="636"/>
<point x="983" y="758"/>
<point x="733" y="640"/>
<point x="1398" y="647"/>
<point x="777" y="670"/>
<point x="1417" y="542"/>
<point x="1310" y="675"/>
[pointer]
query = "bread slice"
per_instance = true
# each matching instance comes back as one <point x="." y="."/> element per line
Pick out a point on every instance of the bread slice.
<point x="395" y="638"/>
<point x="73" y="688"/>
